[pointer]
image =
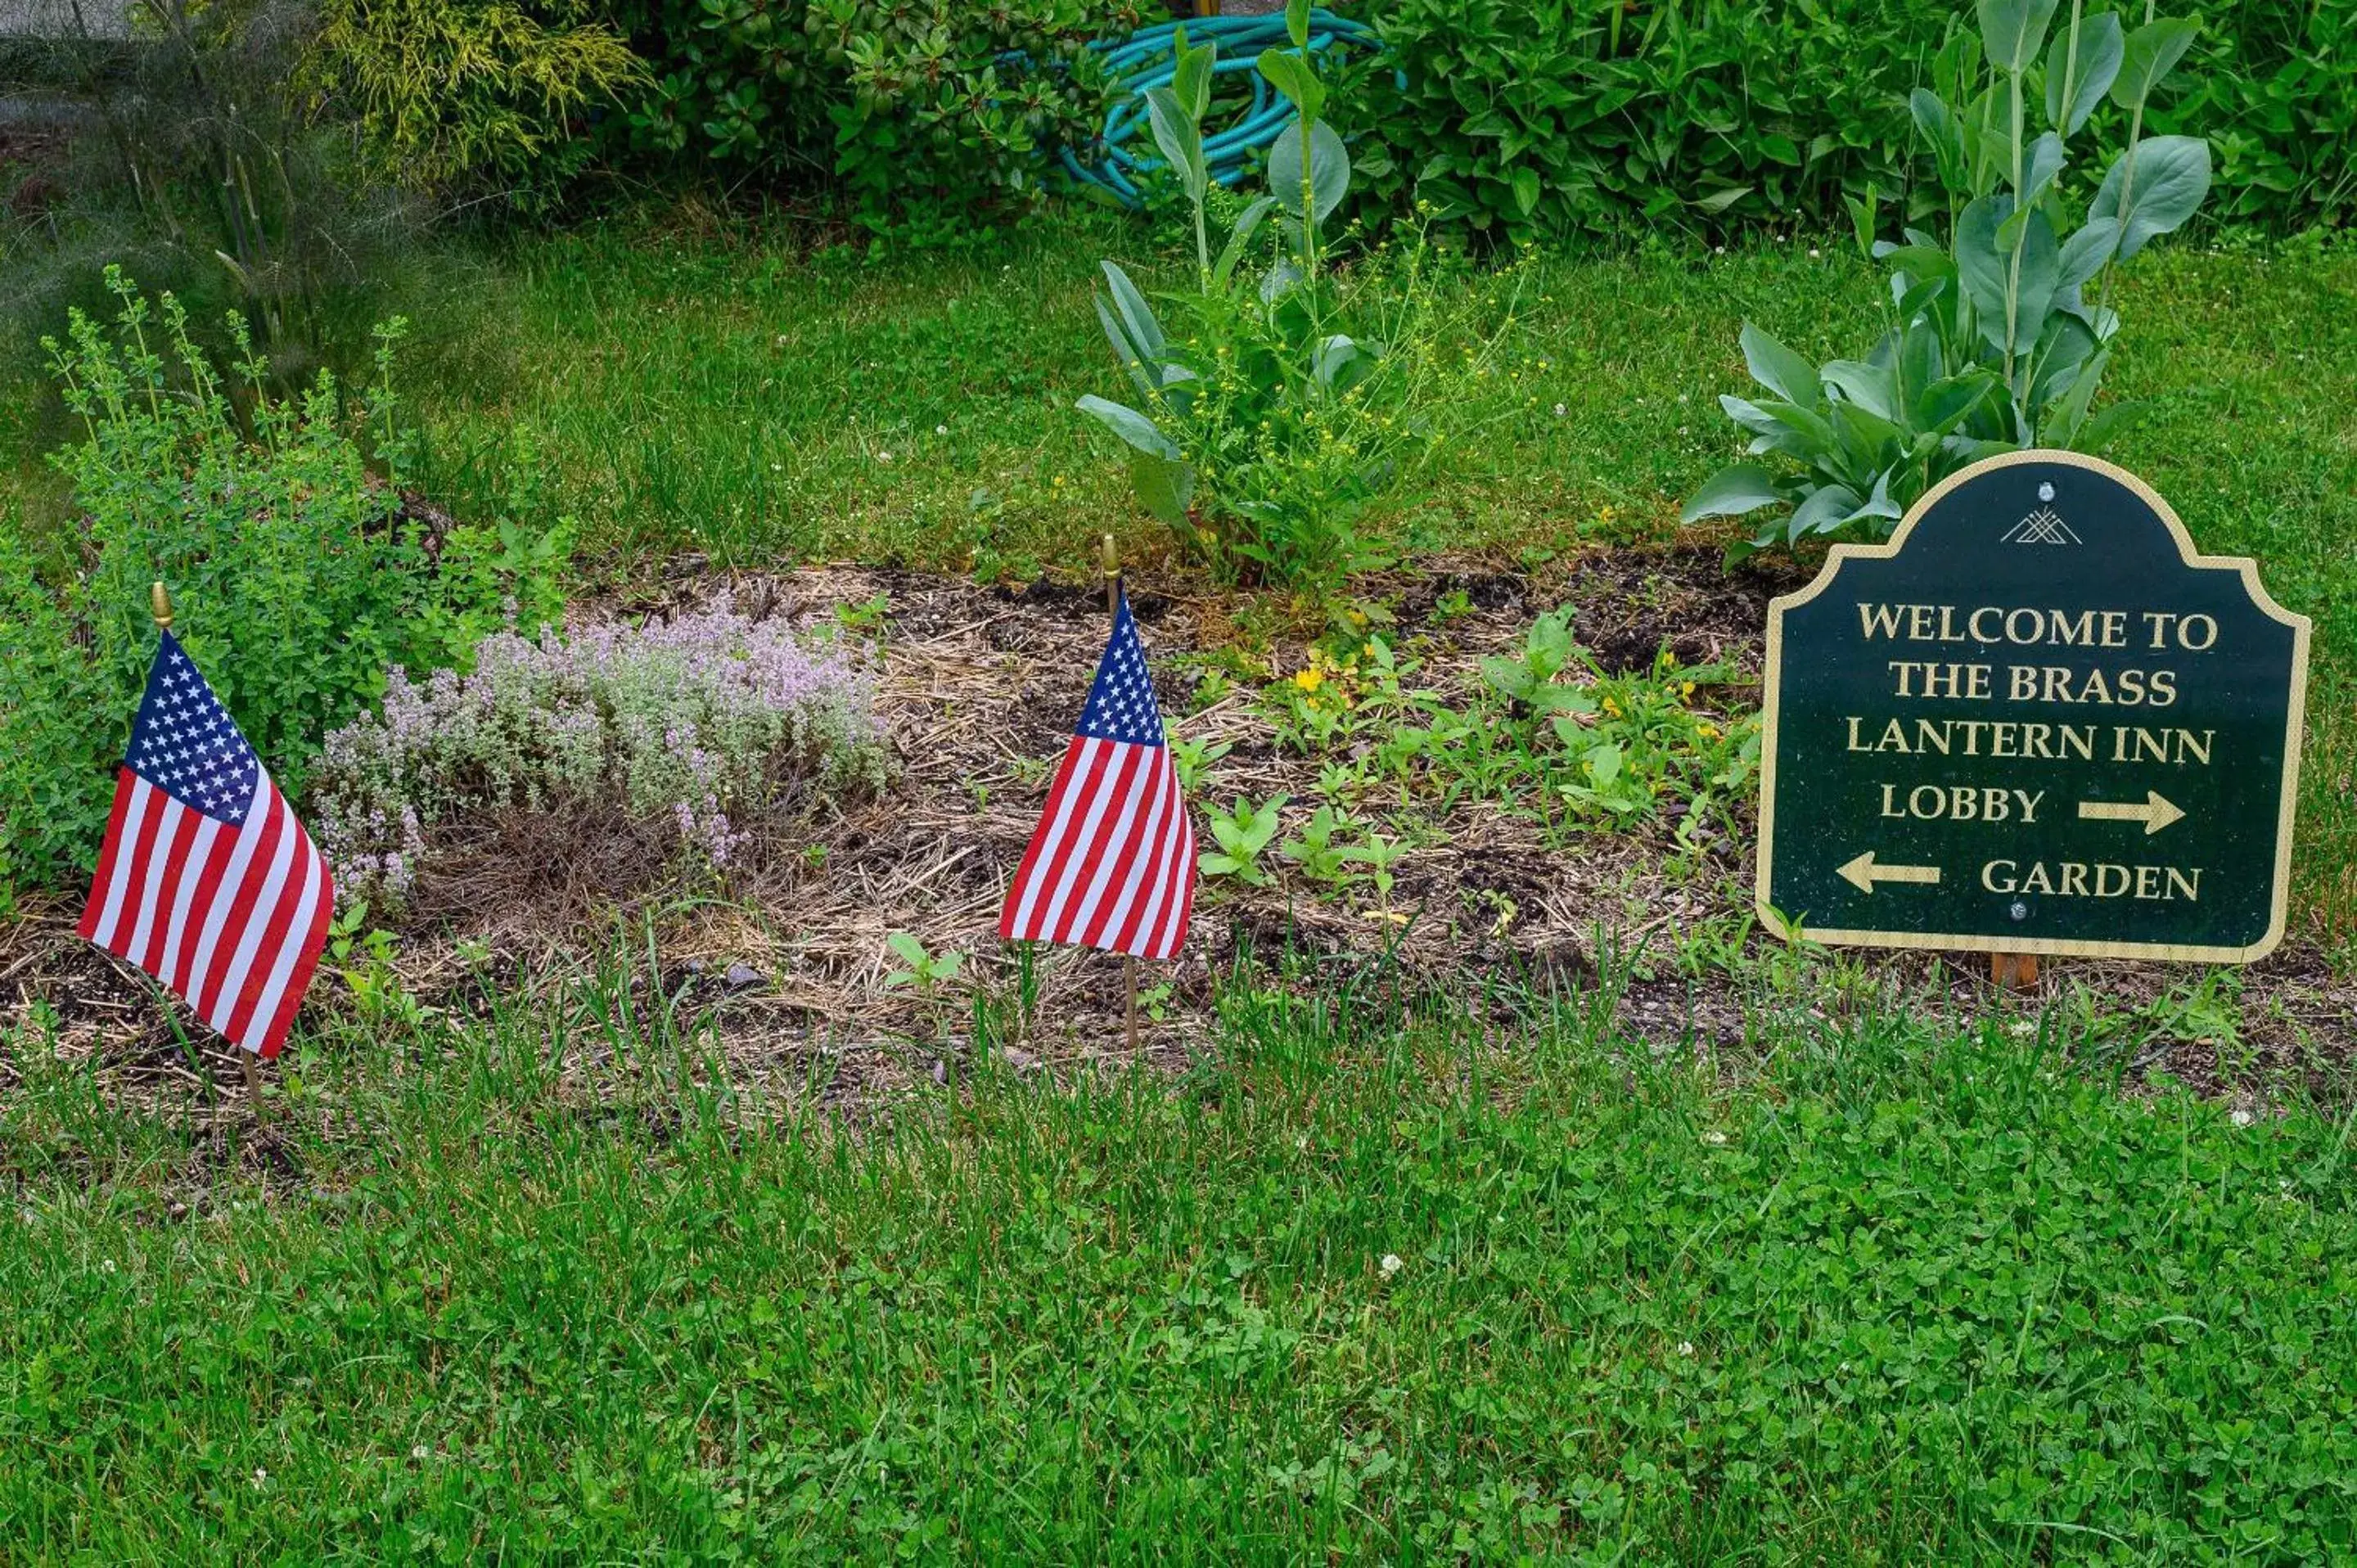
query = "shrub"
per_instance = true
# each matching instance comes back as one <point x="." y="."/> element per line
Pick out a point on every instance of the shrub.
<point x="1545" y="117"/>
<point x="697" y="722"/>
<point x="297" y="575"/>
<point x="1284" y="395"/>
<point x="2276" y="85"/>
<point x="921" y="108"/>
<point x="450" y="94"/>
<point x="1993" y="344"/>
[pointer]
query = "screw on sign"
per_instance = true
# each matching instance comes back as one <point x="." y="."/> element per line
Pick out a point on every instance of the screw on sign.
<point x="2036" y="722"/>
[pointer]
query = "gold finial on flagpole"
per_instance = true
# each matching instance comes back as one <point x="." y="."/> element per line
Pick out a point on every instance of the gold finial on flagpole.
<point x="160" y="604"/>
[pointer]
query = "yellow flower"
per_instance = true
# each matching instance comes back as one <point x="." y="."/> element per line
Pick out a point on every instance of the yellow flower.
<point x="1309" y="679"/>
<point x="1686" y="690"/>
<point x="1612" y="707"/>
<point x="1707" y="731"/>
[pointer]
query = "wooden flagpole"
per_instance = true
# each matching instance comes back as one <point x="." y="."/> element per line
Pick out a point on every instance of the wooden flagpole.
<point x="1111" y="556"/>
<point x="159" y="603"/>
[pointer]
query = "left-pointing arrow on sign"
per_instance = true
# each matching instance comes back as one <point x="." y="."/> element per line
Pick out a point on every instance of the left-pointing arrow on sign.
<point x="1863" y="874"/>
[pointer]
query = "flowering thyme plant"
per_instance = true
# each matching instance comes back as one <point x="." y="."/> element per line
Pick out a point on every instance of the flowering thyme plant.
<point x="700" y="720"/>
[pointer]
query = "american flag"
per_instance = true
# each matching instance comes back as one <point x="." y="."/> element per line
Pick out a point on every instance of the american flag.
<point x="1112" y="864"/>
<point x="205" y="880"/>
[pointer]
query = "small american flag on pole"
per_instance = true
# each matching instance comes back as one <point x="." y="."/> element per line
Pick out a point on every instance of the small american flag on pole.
<point x="205" y="880"/>
<point x="1112" y="864"/>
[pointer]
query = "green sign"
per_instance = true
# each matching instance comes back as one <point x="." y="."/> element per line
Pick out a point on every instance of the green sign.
<point x="2035" y="721"/>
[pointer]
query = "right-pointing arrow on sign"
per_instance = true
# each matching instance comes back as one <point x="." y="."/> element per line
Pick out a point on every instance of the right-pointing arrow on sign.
<point x="2157" y="813"/>
<point x="1863" y="874"/>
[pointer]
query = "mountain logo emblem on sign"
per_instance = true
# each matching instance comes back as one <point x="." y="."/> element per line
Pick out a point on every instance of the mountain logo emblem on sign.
<point x="2044" y="526"/>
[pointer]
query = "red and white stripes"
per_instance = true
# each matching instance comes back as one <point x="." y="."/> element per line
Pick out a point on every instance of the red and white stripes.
<point x="230" y="917"/>
<point x="1112" y="864"/>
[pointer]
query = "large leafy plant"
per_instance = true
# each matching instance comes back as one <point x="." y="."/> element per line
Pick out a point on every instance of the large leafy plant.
<point x="1993" y="343"/>
<point x="1285" y="395"/>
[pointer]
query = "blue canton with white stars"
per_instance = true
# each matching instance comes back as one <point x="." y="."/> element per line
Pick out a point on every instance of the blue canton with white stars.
<point x="1121" y="704"/>
<point x="184" y="744"/>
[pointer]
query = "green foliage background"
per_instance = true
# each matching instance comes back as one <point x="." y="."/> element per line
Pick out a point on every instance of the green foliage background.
<point x="917" y="109"/>
<point x="1538" y="118"/>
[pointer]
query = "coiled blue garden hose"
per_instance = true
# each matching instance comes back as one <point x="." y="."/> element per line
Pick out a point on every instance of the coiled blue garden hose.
<point x="1144" y="60"/>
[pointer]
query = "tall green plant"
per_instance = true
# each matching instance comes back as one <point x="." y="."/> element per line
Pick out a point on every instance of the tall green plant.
<point x="1285" y="398"/>
<point x="1993" y="344"/>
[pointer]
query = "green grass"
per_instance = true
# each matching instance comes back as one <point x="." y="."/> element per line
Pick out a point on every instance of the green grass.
<point x="742" y="396"/>
<point x="739" y="398"/>
<point x="1882" y="1286"/>
<point x="1904" y="1288"/>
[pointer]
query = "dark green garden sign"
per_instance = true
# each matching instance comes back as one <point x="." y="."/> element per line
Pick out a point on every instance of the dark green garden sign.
<point x="2035" y="721"/>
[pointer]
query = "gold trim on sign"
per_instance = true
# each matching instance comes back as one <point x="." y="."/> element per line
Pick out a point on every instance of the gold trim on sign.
<point x="2295" y="717"/>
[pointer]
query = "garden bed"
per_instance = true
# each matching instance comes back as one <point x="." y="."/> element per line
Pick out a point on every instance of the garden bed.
<point x="791" y="950"/>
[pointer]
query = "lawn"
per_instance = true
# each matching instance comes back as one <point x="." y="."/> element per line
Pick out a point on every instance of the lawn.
<point x="739" y="394"/>
<point x="558" y="1284"/>
<point x="1691" y="1249"/>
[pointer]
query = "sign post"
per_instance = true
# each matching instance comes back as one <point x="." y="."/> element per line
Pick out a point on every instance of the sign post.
<point x="2036" y="722"/>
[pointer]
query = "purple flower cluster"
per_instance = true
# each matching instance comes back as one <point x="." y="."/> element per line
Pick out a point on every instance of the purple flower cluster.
<point x="687" y="720"/>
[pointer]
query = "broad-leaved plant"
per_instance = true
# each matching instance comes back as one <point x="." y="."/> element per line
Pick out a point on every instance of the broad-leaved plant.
<point x="1999" y="336"/>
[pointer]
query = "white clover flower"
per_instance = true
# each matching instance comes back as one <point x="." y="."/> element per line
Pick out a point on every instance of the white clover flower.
<point x="1715" y="1138"/>
<point x="2240" y="1117"/>
<point x="261" y="1478"/>
<point x="421" y="1451"/>
<point x="1686" y="1346"/>
<point x="940" y="430"/>
<point x="1391" y="1264"/>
